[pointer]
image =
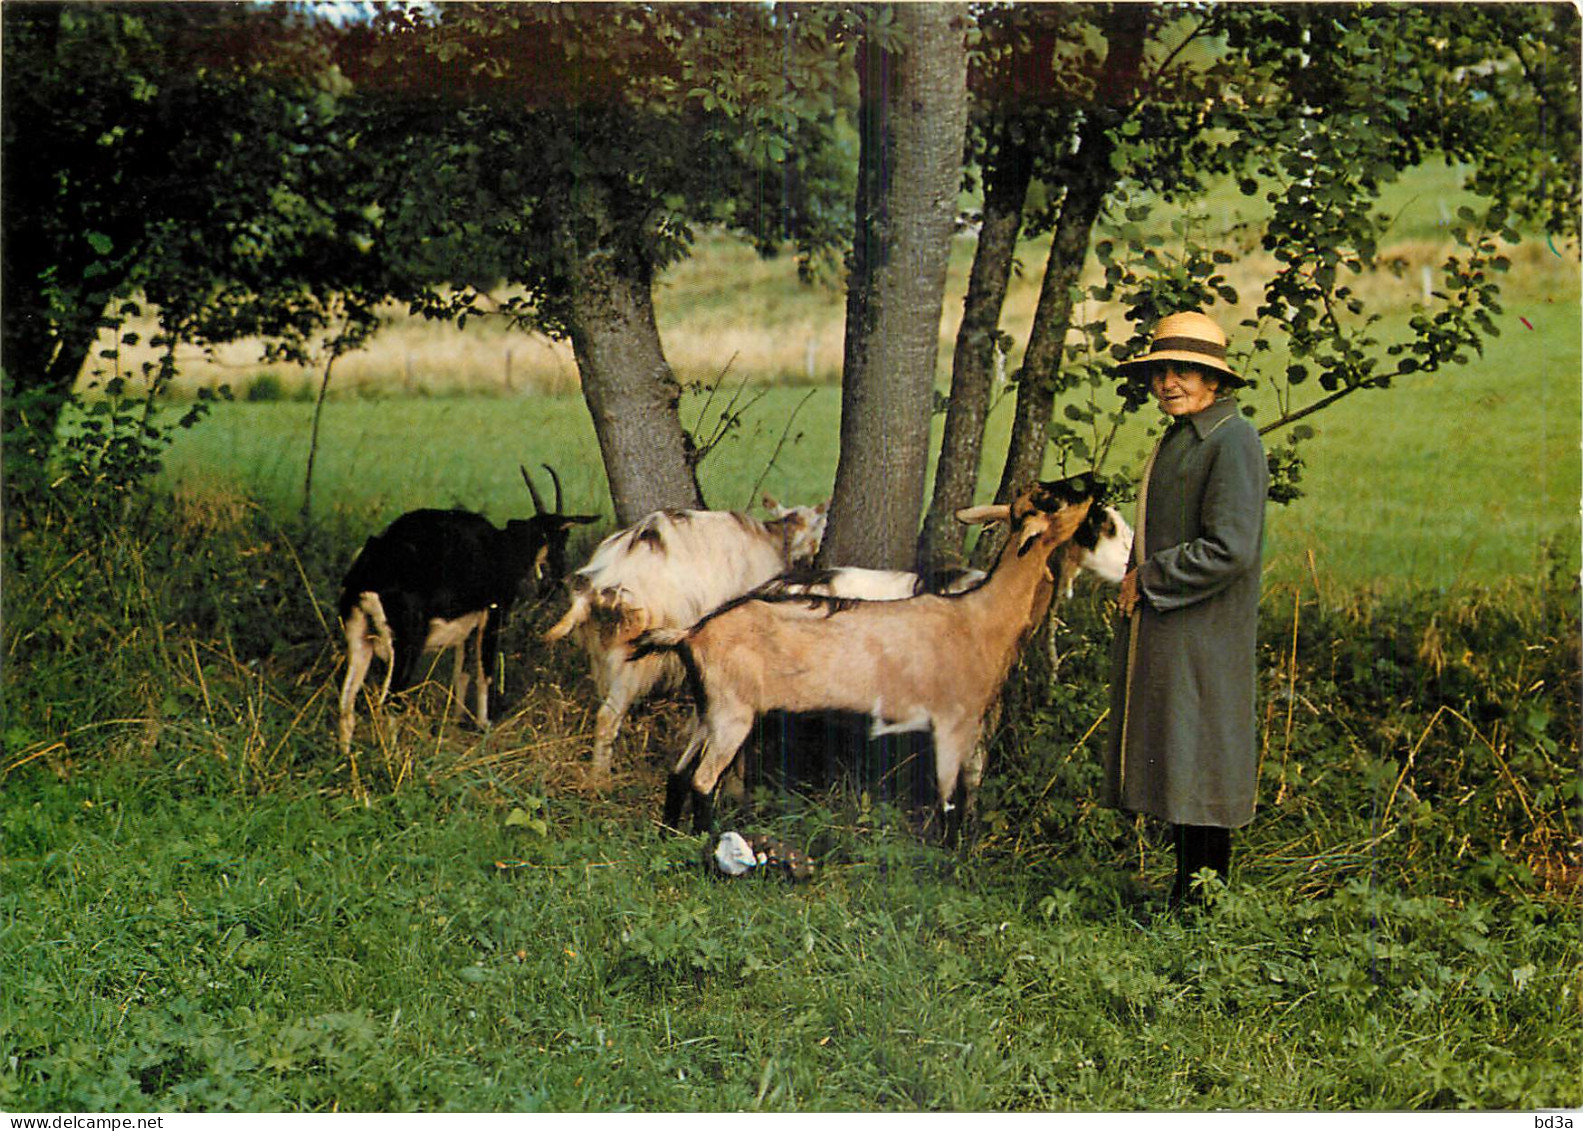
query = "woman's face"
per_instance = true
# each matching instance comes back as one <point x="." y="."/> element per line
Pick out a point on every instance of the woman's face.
<point x="1182" y="389"/>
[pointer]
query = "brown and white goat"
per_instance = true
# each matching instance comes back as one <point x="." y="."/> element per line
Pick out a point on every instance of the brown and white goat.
<point x="927" y="662"/>
<point x="434" y="580"/>
<point x="667" y="571"/>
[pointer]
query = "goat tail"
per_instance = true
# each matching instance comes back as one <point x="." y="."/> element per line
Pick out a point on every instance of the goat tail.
<point x="658" y="640"/>
<point x="369" y="604"/>
<point x="575" y="616"/>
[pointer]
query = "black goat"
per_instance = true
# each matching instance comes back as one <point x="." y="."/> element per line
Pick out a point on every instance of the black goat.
<point x="433" y="579"/>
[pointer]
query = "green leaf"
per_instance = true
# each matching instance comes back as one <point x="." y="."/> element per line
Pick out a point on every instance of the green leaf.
<point x="522" y="819"/>
<point x="101" y="243"/>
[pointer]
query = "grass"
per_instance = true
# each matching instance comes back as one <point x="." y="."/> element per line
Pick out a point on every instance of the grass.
<point x="172" y="947"/>
<point x="204" y="909"/>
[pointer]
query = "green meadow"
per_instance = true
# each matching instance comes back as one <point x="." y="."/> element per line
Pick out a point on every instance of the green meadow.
<point x="171" y="945"/>
<point x="1471" y="474"/>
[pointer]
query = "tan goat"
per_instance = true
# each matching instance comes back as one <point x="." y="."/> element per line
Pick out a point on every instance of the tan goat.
<point x="928" y="662"/>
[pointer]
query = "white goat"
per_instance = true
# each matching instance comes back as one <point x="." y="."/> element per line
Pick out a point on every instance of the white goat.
<point x="857" y="584"/>
<point x="1101" y="546"/>
<point x="668" y="570"/>
<point x="926" y="662"/>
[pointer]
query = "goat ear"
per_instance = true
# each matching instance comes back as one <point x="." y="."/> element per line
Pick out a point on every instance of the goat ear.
<point x="1069" y="518"/>
<point x="1033" y="526"/>
<point x="769" y="502"/>
<point x="993" y="512"/>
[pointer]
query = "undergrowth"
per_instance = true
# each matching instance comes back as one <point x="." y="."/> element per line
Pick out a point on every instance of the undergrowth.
<point x="204" y="908"/>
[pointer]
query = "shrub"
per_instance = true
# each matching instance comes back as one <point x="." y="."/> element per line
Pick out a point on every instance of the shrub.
<point x="265" y="387"/>
<point x="193" y="611"/>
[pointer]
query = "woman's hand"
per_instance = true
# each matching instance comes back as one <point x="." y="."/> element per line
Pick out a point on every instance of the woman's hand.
<point x="1127" y="600"/>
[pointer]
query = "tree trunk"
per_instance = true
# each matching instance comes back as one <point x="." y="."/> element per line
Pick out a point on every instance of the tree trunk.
<point x="630" y="389"/>
<point x="912" y="122"/>
<point x="973" y="364"/>
<point x="1038" y="380"/>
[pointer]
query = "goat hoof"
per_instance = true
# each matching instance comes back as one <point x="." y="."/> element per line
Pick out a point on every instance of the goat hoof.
<point x="676" y="791"/>
<point x="703" y="814"/>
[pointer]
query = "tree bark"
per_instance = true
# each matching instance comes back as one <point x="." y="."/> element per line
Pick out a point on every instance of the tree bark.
<point x="1038" y="379"/>
<point x="912" y="121"/>
<point x="627" y="384"/>
<point x="1091" y="182"/>
<point x="973" y="363"/>
<point x="631" y="393"/>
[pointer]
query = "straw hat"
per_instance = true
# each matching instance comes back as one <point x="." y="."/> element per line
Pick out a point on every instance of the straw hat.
<point x="1188" y="337"/>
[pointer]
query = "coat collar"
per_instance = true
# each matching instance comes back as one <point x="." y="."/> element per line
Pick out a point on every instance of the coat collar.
<point x="1213" y="417"/>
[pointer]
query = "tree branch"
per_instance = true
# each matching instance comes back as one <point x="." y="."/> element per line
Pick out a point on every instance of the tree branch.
<point x="1323" y="402"/>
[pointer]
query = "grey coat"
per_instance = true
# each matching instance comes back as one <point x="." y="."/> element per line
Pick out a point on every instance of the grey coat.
<point x="1185" y="710"/>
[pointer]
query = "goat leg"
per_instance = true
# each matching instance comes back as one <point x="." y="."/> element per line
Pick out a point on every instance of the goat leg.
<point x="724" y="731"/>
<point x="481" y="638"/>
<point x="703" y="811"/>
<point x="958" y="770"/>
<point x="679" y="785"/>
<point x="624" y="683"/>
<point x="359" y="654"/>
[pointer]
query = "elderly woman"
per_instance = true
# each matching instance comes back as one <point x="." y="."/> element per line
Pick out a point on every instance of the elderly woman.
<point x="1182" y="742"/>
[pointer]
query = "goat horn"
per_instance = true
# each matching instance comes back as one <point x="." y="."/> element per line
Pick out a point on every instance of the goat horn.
<point x="556" y="479"/>
<point x="992" y="512"/>
<point x="538" y="503"/>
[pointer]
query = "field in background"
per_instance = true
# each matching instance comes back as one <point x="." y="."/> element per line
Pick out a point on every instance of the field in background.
<point x="725" y="310"/>
<point x="1464" y="475"/>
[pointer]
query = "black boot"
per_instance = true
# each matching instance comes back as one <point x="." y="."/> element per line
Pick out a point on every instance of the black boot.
<point x="1198" y="847"/>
